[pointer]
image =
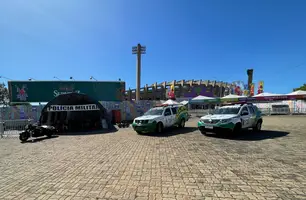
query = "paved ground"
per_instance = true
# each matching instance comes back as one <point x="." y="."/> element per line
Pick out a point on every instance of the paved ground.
<point x="179" y="165"/>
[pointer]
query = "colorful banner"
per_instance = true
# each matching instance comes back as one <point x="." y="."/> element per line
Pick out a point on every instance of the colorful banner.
<point x="252" y="89"/>
<point x="171" y="93"/>
<point x="260" y="87"/>
<point x="238" y="90"/>
<point x="246" y="92"/>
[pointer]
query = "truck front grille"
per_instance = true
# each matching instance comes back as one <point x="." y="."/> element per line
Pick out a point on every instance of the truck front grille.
<point x="213" y="121"/>
<point x="141" y="121"/>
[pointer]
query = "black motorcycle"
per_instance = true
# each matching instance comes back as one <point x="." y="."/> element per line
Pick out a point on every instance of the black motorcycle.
<point x="32" y="130"/>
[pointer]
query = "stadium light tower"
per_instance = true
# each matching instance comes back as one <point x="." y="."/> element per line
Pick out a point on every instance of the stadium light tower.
<point x="138" y="50"/>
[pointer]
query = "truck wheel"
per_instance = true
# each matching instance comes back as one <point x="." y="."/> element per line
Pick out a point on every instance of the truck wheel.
<point x="23" y="137"/>
<point x="237" y="129"/>
<point x="258" y="126"/>
<point x="159" y="127"/>
<point x="203" y="132"/>
<point x="49" y="135"/>
<point x="182" y="123"/>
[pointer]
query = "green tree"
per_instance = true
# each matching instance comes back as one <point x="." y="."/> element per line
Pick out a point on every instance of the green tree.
<point x="303" y="87"/>
<point x="4" y="95"/>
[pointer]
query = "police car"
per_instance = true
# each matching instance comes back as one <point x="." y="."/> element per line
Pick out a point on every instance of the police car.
<point x="158" y="118"/>
<point x="233" y="118"/>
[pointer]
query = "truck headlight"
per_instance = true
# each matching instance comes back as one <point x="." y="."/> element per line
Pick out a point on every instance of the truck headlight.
<point x="225" y="120"/>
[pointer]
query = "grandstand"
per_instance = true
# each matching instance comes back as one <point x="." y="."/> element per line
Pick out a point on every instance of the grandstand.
<point x="183" y="89"/>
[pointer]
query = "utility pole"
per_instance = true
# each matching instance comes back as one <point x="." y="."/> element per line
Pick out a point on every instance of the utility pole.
<point x="138" y="50"/>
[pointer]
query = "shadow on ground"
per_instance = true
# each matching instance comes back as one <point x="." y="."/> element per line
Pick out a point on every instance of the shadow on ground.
<point x="171" y="132"/>
<point x="113" y="130"/>
<point x="249" y="135"/>
<point x="39" y="139"/>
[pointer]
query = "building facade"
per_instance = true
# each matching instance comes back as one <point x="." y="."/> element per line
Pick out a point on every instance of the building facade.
<point x="183" y="90"/>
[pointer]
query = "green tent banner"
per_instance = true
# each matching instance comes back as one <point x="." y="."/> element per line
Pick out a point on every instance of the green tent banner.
<point x="44" y="91"/>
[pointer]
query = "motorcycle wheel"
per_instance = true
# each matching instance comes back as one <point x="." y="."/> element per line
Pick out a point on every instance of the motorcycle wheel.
<point x="23" y="137"/>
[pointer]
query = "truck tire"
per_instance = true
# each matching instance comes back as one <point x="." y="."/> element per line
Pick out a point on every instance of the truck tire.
<point x="159" y="127"/>
<point x="237" y="129"/>
<point x="203" y="132"/>
<point x="258" y="126"/>
<point x="182" y="123"/>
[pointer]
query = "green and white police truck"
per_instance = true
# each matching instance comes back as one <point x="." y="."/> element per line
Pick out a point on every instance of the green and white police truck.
<point x="158" y="118"/>
<point x="232" y="118"/>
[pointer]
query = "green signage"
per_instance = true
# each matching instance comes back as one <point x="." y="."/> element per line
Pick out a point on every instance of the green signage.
<point x="44" y="91"/>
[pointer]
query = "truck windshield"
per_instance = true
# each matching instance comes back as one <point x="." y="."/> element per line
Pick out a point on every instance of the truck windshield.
<point x="224" y="111"/>
<point x="154" y="112"/>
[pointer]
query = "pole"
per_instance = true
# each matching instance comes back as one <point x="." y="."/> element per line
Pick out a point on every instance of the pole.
<point x="138" y="50"/>
<point x="138" y="72"/>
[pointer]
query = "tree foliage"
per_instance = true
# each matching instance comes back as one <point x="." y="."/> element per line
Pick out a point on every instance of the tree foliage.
<point x="4" y="94"/>
<point x="303" y="87"/>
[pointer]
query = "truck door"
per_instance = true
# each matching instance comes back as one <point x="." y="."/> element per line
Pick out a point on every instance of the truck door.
<point x="174" y="118"/>
<point x="245" y="117"/>
<point x="252" y="116"/>
<point x="167" y="117"/>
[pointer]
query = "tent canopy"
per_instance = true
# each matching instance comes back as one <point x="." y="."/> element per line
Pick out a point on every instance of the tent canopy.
<point x="170" y="102"/>
<point x="233" y="96"/>
<point x="202" y="99"/>
<point x="298" y="92"/>
<point x="184" y="102"/>
<point x="267" y="94"/>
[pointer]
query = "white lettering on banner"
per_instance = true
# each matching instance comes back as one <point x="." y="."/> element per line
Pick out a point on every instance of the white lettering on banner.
<point x="59" y="108"/>
<point x="56" y="92"/>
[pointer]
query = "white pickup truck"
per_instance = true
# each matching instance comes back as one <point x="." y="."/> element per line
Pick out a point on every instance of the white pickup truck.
<point x="232" y="118"/>
<point x="158" y="118"/>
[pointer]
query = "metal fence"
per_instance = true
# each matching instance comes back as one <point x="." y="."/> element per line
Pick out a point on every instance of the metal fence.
<point x="264" y="111"/>
<point x="283" y="111"/>
<point x="12" y="128"/>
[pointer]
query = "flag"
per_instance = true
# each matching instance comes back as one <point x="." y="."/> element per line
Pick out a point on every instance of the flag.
<point x="171" y="93"/>
<point x="172" y="87"/>
<point x="252" y="89"/>
<point x="260" y="87"/>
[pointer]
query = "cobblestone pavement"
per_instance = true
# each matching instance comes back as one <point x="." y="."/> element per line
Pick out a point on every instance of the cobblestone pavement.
<point x="182" y="164"/>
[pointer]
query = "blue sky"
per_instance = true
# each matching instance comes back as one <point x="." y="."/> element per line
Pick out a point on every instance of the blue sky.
<point x="208" y="39"/>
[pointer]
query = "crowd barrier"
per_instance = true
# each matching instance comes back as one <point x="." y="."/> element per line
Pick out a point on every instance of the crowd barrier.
<point x="264" y="111"/>
<point x="12" y="128"/>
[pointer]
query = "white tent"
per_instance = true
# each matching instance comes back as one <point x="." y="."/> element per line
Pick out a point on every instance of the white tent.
<point x="170" y="102"/>
<point x="202" y="99"/>
<point x="298" y="92"/>
<point x="184" y="102"/>
<point x="267" y="94"/>
<point x="233" y="96"/>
